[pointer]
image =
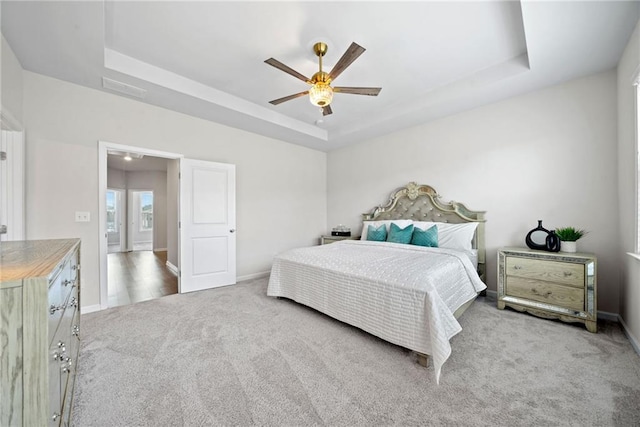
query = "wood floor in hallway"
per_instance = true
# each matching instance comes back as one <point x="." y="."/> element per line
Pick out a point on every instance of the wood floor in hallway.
<point x="139" y="276"/>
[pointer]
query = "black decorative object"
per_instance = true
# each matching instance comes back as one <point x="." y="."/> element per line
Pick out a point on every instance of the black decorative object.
<point x="537" y="238"/>
<point x="552" y="242"/>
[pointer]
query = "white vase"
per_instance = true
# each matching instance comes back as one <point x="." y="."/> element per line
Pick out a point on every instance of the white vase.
<point x="568" y="246"/>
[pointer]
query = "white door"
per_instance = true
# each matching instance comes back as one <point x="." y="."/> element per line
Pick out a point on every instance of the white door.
<point x="11" y="185"/>
<point x="115" y="228"/>
<point x="140" y="220"/>
<point x="208" y="225"/>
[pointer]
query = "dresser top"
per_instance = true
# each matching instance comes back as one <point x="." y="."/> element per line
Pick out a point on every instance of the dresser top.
<point x="32" y="258"/>
<point x="546" y="254"/>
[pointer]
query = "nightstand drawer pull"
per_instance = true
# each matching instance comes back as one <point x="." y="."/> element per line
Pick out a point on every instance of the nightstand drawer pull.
<point x="535" y="292"/>
<point x="567" y="273"/>
<point x="517" y="267"/>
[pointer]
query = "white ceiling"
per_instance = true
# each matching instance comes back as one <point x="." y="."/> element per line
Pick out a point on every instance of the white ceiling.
<point x="144" y="164"/>
<point x="431" y="58"/>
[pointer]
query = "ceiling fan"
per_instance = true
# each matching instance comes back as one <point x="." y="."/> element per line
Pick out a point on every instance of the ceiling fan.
<point x="321" y="93"/>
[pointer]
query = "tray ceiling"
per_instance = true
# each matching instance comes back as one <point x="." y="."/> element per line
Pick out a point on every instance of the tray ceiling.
<point x="431" y="58"/>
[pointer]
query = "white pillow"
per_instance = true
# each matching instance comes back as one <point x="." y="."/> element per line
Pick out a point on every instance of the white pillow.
<point x="402" y="223"/>
<point x="452" y="236"/>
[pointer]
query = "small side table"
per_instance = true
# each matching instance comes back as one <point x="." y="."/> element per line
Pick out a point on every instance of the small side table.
<point x="556" y="285"/>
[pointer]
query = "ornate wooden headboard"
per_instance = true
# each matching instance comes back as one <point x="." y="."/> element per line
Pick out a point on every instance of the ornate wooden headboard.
<point x="421" y="203"/>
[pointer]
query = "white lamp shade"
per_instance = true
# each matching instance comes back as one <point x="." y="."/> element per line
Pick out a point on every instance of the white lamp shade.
<point x="321" y="94"/>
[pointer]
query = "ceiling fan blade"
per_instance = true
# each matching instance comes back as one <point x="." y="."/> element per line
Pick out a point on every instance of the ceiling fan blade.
<point x="326" y="110"/>
<point x="371" y="91"/>
<point x="288" y="98"/>
<point x="349" y="56"/>
<point x="280" y="66"/>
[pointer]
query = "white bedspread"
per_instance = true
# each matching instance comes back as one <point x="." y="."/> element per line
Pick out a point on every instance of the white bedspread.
<point x="404" y="294"/>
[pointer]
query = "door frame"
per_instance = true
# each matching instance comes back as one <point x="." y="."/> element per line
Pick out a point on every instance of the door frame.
<point x="103" y="146"/>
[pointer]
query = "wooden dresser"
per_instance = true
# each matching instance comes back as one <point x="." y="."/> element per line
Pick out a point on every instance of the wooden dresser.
<point x="554" y="285"/>
<point x="39" y="331"/>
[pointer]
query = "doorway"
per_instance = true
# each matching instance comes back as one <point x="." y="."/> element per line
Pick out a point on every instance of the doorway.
<point x="204" y="199"/>
<point x="137" y="226"/>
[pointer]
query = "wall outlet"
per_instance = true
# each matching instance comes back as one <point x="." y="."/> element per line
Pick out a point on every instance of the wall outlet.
<point x="83" y="217"/>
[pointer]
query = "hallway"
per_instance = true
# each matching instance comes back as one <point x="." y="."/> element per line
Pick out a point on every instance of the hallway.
<point x="139" y="276"/>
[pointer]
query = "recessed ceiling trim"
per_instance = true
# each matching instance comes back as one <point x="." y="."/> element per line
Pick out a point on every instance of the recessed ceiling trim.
<point x="133" y="67"/>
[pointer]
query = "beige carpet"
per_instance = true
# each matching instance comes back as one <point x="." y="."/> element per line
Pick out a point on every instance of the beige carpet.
<point x="233" y="356"/>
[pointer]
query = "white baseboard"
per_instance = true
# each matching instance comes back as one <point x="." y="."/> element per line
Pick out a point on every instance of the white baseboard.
<point x="160" y="250"/>
<point x="635" y="343"/>
<point x="90" y="308"/>
<point x="172" y="268"/>
<point x="608" y="316"/>
<point x="492" y="295"/>
<point x="253" y="276"/>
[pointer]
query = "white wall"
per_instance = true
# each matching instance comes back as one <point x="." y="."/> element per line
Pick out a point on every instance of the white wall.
<point x="627" y="154"/>
<point x="281" y="187"/>
<point x="548" y="155"/>
<point x="155" y="181"/>
<point x="116" y="178"/>
<point x="11" y="98"/>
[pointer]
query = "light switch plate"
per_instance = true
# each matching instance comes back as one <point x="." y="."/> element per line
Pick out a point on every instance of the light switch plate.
<point x="83" y="217"/>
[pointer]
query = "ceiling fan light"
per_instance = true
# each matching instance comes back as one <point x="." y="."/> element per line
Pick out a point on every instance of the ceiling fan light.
<point x="321" y="94"/>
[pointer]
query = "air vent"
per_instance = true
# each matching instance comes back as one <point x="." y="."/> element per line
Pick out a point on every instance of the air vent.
<point x="123" y="88"/>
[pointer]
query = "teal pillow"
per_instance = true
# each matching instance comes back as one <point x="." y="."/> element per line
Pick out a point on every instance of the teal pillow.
<point x="377" y="234"/>
<point x="400" y="235"/>
<point x="428" y="237"/>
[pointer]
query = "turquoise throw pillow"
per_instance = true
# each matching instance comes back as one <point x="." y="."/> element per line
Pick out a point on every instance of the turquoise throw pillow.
<point x="377" y="234"/>
<point x="400" y="235"/>
<point x="428" y="237"/>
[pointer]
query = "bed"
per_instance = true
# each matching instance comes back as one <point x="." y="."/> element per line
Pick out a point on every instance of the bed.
<point x="406" y="294"/>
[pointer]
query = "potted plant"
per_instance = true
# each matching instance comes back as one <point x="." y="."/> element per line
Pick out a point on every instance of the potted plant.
<point x="568" y="237"/>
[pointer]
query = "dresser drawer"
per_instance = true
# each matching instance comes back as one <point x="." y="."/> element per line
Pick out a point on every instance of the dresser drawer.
<point x="547" y="292"/>
<point x="551" y="271"/>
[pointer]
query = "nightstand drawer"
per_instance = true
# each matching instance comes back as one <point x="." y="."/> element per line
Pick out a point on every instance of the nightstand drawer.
<point x="544" y="270"/>
<point x="325" y="240"/>
<point x="547" y="292"/>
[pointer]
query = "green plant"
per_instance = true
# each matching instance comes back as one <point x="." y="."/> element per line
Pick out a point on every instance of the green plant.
<point x="570" y="234"/>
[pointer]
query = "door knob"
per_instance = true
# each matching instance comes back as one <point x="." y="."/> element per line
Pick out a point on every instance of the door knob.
<point x="233" y="230"/>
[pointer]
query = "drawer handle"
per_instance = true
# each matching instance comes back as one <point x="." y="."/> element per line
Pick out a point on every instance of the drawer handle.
<point x="75" y="331"/>
<point x="73" y="302"/>
<point x="517" y="267"/>
<point x="67" y="364"/>
<point x="67" y="282"/>
<point x="545" y="295"/>
<point x="75" y="267"/>
<point x="567" y="273"/>
<point x="54" y="308"/>
<point x="60" y="356"/>
<point x="55" y="416"/>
